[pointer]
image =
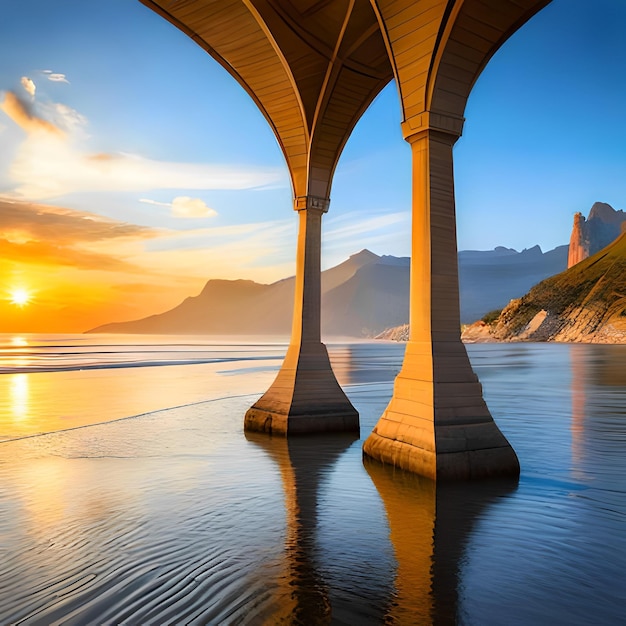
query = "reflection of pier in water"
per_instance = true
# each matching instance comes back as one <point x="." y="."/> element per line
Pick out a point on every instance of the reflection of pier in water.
<point x="304" y="595"/>
<point x="430" y="526"/>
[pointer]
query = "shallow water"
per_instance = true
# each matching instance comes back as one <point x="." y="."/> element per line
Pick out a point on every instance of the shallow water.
<point x="178" y="517"/>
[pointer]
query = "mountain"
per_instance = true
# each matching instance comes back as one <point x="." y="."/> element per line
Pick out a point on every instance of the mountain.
<point x="374" y="298"/>
<point x="585" y="303"/>
<point x="590" y="235"/>
<point x="240" y="306"/>
<point x="361" y="297"/>
<point x="489" y="279"/>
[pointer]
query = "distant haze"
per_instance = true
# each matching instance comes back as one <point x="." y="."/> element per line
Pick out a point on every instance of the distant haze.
<point x="360" y="297"/>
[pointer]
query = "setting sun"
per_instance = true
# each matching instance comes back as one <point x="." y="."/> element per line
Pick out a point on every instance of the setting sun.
<point x="20" y="297"/>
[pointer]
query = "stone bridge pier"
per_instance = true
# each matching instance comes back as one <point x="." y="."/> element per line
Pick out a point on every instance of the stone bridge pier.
<point x="313" y="67"/>
<point x="437" y="423"/>
<point x="305" y="397"/>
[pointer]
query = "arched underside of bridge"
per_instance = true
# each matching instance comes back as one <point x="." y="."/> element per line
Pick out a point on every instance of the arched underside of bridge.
<point x="313" y="67"/>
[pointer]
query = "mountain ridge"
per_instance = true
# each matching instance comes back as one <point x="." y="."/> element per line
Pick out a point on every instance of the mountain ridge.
<point x="361" y="297"/>
<point x="585" y="303"/>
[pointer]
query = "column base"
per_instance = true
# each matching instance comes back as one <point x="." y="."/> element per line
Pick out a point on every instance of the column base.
<point x="466" y="464"/>
<point x="273" y="423"/>
<point x="441" y="428"/>
<point x="305" y="398"/>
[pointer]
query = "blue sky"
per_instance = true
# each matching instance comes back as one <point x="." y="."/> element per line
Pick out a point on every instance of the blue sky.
<point x="154" y="133"/>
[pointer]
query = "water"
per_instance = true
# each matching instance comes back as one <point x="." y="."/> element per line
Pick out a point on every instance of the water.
<point x="177" y="516"/>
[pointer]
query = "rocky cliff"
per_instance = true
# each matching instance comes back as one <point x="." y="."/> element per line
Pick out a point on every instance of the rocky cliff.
<point x="397" y="333"/>
<point x="590" y="235"/>
<point x="585" y="303"/>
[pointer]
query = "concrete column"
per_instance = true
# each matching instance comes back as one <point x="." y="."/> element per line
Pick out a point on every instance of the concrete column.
<point x="307" y="306"/>
<point x="437" y="423"/>
<point x="305" y="397"/>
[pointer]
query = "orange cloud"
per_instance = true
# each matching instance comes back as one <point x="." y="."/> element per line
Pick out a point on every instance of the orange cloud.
<point x="21" y="114"/>
<point x="43" y="222"/>
<point x="45" y="235"/>
<point x="44" y="253"/>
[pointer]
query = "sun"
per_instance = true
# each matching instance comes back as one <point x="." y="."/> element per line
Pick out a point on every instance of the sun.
<point x="20" y="297"/>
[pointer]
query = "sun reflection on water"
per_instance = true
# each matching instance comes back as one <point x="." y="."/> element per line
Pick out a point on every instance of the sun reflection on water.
<point x="18" y="393"/>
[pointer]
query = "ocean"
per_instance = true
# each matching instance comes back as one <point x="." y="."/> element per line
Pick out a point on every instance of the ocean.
<point x="129" y="493"/>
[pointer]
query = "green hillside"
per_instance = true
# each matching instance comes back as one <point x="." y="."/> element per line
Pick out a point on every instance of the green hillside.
<point x="581" y="300"/>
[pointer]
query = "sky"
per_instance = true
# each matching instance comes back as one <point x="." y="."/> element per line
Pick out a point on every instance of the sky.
<point x="133" y="168"/>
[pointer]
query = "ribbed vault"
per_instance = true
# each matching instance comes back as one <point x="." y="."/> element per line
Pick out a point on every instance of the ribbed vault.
<point x="312" y="68"/>
<point x="438" y="48"/>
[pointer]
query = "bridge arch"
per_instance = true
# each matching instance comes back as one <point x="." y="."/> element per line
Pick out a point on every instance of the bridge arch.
<point x="313" y="68"/>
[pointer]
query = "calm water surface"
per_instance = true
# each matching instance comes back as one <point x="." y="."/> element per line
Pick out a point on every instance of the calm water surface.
<point x="176" y="516"/>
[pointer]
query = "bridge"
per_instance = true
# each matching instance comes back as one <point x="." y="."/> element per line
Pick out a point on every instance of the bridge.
<point x="313" y="67"/>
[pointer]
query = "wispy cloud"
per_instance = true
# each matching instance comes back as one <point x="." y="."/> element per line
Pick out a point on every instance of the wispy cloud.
<point x="65" y="118"/>
<point x="49" y="163"/>
<point x="55" y="76"/>
<point x="353" y="225"/>
<point x="262" y="251"/>
<point x="353" y="231"/>
<point x="185" y="206"/>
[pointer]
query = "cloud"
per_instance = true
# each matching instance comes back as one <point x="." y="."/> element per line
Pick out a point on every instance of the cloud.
<point x="64" y="117"/>
<point x="20" y="112"/>
<point x="55" y="77"/>
<point x="353" y="225"/>
<point x="349" y="232"/>
<point x="184" y="206"/>
<point x="38" y="222"/>
<point x="49" y="167"/>
<point x="47" y="253"/>
<point x="49" y="163"/>
<point x="35" y="233"/>
<point x="262" y="251"/>
<point x="29" y="86"/>
<point x="155" y="202"/>
<point x="39" y="234"/>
